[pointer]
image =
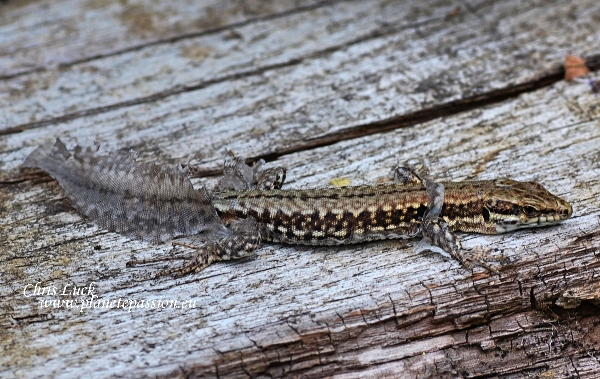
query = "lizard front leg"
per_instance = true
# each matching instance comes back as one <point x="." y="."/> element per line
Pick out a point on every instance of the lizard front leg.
<point x="435" y="231"/>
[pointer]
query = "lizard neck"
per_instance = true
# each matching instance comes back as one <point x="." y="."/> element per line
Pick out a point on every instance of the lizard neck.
<point x="464" y="204"/>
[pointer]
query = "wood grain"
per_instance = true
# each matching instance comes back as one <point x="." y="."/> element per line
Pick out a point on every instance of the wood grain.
<point x="340" y="89"/>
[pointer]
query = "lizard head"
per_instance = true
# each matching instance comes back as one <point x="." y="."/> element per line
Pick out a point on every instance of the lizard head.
<point x="514" y="205"/>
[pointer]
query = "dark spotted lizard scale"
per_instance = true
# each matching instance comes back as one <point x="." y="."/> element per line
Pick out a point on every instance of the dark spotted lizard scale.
<point x="330" y="216"/>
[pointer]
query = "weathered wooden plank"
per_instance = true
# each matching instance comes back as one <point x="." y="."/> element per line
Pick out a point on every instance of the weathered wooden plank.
<point x="369" y="310"/>
<point x="161" y="70"/>
<point x="331" y="310"/>
<point x="355" y="79"/>
<point x="194" y="62"/>
<point x="40" y="36"/>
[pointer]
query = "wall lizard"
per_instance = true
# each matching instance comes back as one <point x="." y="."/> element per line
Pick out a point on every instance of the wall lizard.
<point x="156" y="203"/>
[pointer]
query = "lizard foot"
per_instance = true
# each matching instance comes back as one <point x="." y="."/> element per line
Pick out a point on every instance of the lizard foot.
<point x="243" y="240"/>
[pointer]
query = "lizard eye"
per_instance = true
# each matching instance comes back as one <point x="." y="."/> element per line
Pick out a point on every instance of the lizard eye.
<point x="529" y="210"/>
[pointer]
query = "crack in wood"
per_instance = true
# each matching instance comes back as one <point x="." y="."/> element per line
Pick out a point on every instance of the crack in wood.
<point x="385" y="30"/>
<point x="424" y="115"/>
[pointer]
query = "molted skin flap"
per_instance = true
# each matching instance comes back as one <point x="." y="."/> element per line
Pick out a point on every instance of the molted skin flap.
<point x="143" y="200"/>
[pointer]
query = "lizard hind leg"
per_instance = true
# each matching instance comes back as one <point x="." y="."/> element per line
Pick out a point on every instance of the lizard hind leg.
<point x="244" y="239"/>
<point x="237" y="175"/>
<point x="271" y="178"/>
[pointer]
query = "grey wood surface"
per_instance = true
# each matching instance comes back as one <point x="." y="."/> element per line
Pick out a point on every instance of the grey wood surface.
<point x="340" y="89"/>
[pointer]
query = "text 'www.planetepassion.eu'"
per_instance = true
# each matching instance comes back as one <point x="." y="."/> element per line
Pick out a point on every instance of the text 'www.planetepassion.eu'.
<point x="82" y="298"/>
